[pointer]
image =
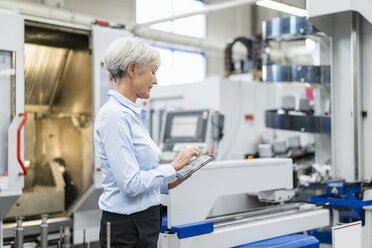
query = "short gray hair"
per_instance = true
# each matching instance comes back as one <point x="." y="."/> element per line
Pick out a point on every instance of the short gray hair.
<point x="126" y="50"/>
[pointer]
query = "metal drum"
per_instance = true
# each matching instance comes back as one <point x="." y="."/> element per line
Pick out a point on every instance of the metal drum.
<point x="287" y="27"/>
<point x="296" y="73"/>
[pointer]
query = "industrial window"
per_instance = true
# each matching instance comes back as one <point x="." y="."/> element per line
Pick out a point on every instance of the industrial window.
<point x="178" y="65"/>
<point x="149" y="10"/>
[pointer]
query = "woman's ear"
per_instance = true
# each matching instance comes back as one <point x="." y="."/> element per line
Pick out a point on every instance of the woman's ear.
<point x="132" y="68"/>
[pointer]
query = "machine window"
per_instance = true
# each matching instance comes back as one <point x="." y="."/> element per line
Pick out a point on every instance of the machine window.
<point x="173" y="59"/>
<point x="149" y="10"/>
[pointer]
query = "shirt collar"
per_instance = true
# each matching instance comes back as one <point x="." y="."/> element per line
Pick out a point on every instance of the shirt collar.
<point x="125" y="101"/>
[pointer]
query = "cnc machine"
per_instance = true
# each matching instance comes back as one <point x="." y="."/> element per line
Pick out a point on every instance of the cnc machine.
<point x="231" y="202"/>
<point x="52" y="82"/>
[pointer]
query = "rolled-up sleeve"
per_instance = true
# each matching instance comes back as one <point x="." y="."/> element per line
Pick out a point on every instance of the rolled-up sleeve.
<point x="117" y="140"/>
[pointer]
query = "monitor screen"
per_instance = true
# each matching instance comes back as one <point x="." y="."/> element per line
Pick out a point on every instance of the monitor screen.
<point x="186" y="126"/>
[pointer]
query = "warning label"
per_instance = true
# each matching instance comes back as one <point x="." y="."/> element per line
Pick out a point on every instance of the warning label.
<point x="334" y="190"/>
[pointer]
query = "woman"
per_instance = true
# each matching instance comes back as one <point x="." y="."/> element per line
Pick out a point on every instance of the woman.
<point x="128" y="157"/>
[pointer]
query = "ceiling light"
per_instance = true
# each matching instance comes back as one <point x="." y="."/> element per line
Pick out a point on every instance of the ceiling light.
<point x="282" y="7"/>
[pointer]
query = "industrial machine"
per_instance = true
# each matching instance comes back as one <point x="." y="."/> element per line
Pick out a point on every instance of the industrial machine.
<point x="12" y="89"/>
<point x="252" y="63"/>
<point x="347" y="199"/>
<point x="230" y="202"/>
<point x="311" y="113"/>
<point x="52" y="82"/>
<point x="349" y="25"/>
<point x="241" y="100"/>
<point x="183" y="129"/>
<point x="227" y="210"/>
<point x="56" y="78"/>
<point x="52" y="75"/>
<point x="222" y="212"/>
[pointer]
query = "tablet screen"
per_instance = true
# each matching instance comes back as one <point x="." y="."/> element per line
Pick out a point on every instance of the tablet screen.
<point x="194" y="165"/>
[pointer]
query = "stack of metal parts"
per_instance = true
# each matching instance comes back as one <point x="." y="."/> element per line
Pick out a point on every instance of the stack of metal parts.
<point x="47" y="234"/>
<point x="296" y="117"/>
<point x="299" y="118"/>
<point x="42" y="239"/>
<point x="291" y="29"/>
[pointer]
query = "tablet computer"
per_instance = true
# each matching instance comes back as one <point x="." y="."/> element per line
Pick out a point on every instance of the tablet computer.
<point x="194" y="165"/>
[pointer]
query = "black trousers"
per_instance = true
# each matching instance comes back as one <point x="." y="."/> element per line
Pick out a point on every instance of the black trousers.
<point x="138" y="230"/>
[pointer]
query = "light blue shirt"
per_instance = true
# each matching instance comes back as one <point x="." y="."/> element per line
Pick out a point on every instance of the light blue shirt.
<point x="129" y="158"/>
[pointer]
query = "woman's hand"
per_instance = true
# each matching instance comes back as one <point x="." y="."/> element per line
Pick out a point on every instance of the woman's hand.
<point x="177" y="181"/>
<point x="184" y="156"/>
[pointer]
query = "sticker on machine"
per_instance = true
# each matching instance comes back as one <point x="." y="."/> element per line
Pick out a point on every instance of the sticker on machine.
<point x="3" y="182"/>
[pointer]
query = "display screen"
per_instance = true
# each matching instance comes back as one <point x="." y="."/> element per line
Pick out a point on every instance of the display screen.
<point x="184" y="126"/>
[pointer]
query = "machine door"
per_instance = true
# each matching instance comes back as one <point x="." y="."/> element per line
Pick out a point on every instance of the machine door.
<point x="12" y="168"/>
<point x="85" y="210"/>
<point x="102" y="82"/>
<point x="101" y="39"/>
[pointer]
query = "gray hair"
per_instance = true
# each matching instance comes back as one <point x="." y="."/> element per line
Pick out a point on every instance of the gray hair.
<point x="126" y="50"/>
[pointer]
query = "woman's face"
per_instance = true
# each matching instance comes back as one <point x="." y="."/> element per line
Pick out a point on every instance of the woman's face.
<point x="144" y="81"/>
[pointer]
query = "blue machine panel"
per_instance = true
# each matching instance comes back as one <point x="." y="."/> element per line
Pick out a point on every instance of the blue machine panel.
<point x="323" y="235"/>
<point x="289" y="241"/>
<point x="193" y="229"/>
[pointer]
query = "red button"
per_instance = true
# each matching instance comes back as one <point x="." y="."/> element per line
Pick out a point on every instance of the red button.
<point x="249" y="117"/>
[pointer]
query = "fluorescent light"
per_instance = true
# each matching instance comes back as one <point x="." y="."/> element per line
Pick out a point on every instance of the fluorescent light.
<point x="282" y="7"/>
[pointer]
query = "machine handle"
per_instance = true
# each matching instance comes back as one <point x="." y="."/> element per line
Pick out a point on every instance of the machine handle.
<point x="19" y="144"/>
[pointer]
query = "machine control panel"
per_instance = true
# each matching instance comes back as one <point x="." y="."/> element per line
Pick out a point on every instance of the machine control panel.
<point x="185" y="129"/>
